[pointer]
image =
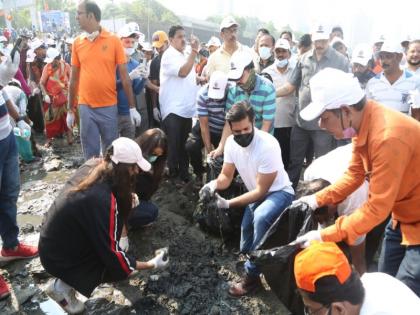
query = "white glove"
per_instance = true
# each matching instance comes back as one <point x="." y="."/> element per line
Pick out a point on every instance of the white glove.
<point x="70" y="120"/>
<point x="210" y="187"/>
<point x="23" y="126"/>
<point x="309" y="200"/>
<point x="221" y="202"/>
<point x="134" y="74"/>
<point x="47" y="98"/>
<point x="156" y="114"/>
<point x="306" y="239"/>
<point x="35" y="91"/>
<point x="135" y="117"/>
<point x="123" y="243"/>
<point x="158" y="261"/>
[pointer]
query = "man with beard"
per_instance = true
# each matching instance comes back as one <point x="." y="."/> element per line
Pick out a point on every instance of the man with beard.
<point x="313" y="61"/>
<point x="255" y="155"/>
<point x="220" y="59"/>
<point x="393" y="86"/>
<point x="413" y="57"/>
<point x="79" y="241"/>
<point x="360" y="64"/>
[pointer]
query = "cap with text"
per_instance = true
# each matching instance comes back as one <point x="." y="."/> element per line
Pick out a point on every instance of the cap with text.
<point x="128" y="151"/>
<point x="238" y="62"/>
<point x="282" y="43"/>
<point x="217" y="85"/>
<point x="129" y="29"/>
<point x="362" y="53"/>
<point x="320" y="33"/>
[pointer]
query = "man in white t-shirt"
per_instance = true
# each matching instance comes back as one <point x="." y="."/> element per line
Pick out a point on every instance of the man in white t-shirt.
<point x="256" y="155"/>
<point x="329" y="285"/>
<point x="177" y="97"/>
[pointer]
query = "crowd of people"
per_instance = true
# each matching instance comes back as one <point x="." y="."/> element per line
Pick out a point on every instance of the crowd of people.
<point x="348" y="115"/>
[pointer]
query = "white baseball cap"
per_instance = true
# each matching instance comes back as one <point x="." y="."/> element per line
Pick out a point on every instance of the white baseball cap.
<point x="391" y="47"/>
<point x="30" y="55"/>
<point x="228" y="22"/>
<point x="362" y="53"/>
<point x="36" y="43"/>
<point x="214" y="41"/>
<point x="128" y="151"/>
<point x="50" y="41"/>
<point x="52" y="53"/>
<point x="146" y="46"/>
<point x="238" y="62"/>
<point x="331" y="89"/>
<point x="129" y="29"/>
<point x="320" y="33"/>
<point x="3" y="39"/>
<point x="217" y="85"/>
<point x="379" y="39"/>
<point x="282" y="43"/>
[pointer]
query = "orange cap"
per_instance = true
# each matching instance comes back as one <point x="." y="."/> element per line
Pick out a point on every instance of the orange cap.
<point x="159" y="38"/>
<point x="320" y="259"/>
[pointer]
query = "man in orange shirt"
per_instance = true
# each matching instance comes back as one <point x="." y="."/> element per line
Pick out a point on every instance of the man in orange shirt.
<point x="96" y="55"/>
<point x="386" y="150"/>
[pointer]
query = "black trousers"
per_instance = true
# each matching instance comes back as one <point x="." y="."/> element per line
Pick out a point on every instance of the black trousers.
<point x="283" y="137"/>
<point x="194" y="146"/>
<point x="177" y="129"/>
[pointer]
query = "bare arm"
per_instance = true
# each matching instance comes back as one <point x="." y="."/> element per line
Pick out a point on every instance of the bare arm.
<point x="264" y="182"/>
<point x="415" y="112"/>
<point x="154" y="94"/>
<point x="11" y="109"/>
<point x="225" y="134"/>
<point x="126" y="83"/>
<point x="74" y="79"/>
<point x="225" y="177"/>
<point x="266" y="125"/>
<point x="205" y="132"/>
<point x="154" y="88"/>
<point x="187" y="67"/>
<point x="43" y="80"/>
<point x="285" y="90"/>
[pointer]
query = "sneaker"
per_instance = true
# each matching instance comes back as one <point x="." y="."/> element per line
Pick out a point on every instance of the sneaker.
<point x="4" y="289"/>
<point x="21" y="252"/>
<point x="67" y="300"/>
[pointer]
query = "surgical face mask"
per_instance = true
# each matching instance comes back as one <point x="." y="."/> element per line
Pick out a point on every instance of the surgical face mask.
<point x="281" y="63"/>
<point x="264" y="52"/>
<point x="244" y="139"/>
<point x="348" y="132"/>
<point x="91" y="36"/>
<point x="152" y="158"/>
<point x="129" y="51"/>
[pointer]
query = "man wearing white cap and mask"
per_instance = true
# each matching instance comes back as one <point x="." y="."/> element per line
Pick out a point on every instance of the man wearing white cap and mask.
<point x="386" y="151"/>
<point x="284" y="118"/>
<point x="393" y="86"/>
<point x="318" y="58"/>
<point x="360" y="64"/>
<point x="220" y="59"/>
<point x="213" y="44"/>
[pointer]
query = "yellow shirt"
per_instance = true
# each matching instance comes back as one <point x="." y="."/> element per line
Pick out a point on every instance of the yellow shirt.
<point x="387" y="151"/>
<point x="220" y="60"/>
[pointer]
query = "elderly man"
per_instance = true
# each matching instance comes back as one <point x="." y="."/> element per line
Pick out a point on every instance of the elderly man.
<point x="285" y="106"/>
<point x="254" y="154"/>
<point x="393" y="86"/>
<point x="265" y="52"/>
<point x="220" y="59"/>
<point x="255" y="89"/>
<point x="177" y="97"/>
<point x="320" y="57"/>
<point x="96" y="54"/>
<point x="386" y="150"/>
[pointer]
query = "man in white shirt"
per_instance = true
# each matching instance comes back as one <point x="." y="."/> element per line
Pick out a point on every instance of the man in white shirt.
<point x="255" y="155"/>
<point x="393" y="86"/>
<point x="177" y="97"/>
<point x="329" y="285"/>
<point x="284" y="118"/>
<point x="413" y="57"/>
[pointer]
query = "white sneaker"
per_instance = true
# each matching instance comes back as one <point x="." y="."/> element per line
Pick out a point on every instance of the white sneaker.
<point x="67" y="300"/>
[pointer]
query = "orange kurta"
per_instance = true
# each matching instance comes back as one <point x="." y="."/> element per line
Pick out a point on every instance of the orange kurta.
<point x="387" y="151"/>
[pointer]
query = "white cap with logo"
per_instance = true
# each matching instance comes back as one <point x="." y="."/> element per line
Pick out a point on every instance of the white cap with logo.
<point x="391" y="47"/>
<point x="228" y="22"/>
<point x="362" y="53"/>
<point x="217" y="85"/>
<point x="128" y="151"/>
<point x="330" y="89"/>
<point x="238" y="62"/>
<point x="320" y="33"/>
<point x="52" y="53"/>
<point x="282" y="43"/>
<point x="129" y="29"/>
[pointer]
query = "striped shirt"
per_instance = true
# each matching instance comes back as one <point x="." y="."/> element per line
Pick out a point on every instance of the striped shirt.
<point x="262" y="100"/>
<point x="5" y="126"/>
<point x="213" y="109"/>
<point x="396" y="95"/>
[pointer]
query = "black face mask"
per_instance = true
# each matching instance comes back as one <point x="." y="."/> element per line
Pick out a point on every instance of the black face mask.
<point x="244" y="139"/>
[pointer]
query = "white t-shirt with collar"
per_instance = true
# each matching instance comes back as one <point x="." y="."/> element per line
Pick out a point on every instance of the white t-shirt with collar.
<point x="176" y="95"/>
<point x="263" y="155"/>
<point x="386" y="295"/>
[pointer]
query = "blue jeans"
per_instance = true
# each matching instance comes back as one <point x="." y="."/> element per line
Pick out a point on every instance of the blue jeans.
<point x="257" y="219"/>
<point x="145" y="213"/>
<point x="9" y="191"/>
<point x="98" y="128"/>
<point x="402" y="262"/>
